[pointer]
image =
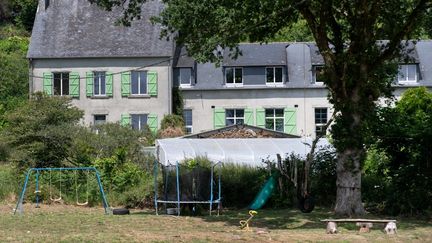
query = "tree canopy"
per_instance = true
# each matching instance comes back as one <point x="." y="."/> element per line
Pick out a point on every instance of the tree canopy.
<point x="404" y="134"/>
<point x="359" y="68"/>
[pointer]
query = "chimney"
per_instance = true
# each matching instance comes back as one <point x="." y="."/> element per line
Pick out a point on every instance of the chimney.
<point x="47" y="2"/>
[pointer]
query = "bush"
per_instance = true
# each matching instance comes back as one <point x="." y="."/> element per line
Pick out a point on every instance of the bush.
<point x="323" y="178"/>
<point x="241" y="183"/>
<point x="39" y="133"/>
<point x="125" y="183"/>
<point x="8" y="183"/>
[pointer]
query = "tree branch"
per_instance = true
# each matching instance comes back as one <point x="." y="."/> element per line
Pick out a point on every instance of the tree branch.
<point x="408" y="27"/>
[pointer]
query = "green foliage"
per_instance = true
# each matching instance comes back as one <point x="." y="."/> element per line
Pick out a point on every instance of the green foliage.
<point x="106" y="139"/>
<point x="403" y="136"/>
<point x="18" y="12"/>
<point x="40" y="131"/>
<point x="8" y="182"/>
<point x="25" y="11"/>
<point x="323" y="178"/>
<point x="172" y="120"/>
<point x="125" y="182"/>
<point x="177" y="101"/>
<point x="241" y="183"/>
<point x="13" y="74"/>
<point x="298" y="31"/>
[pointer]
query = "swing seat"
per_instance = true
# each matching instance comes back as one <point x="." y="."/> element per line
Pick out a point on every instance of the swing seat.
<point x="56" y="199"/>
<point x="37" y="192"/>
<point x="82" y="204"/>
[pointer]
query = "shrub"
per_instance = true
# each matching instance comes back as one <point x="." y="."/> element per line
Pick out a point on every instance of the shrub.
<point x="241" y="183"/>
<point x="39" y="133"/>
<point x="172" y="120"/>
<point x="8" y="182"/>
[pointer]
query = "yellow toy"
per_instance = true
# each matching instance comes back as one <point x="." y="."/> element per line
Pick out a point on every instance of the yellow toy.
<point x="244" y="224"/>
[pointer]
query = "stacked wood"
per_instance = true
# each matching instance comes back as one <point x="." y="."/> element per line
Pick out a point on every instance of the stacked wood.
<point x="242" y="133"/>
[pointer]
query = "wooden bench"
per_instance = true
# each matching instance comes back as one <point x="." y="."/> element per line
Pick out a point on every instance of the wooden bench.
<point x="364" y="224"/>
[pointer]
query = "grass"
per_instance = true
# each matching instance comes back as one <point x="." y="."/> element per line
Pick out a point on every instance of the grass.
<point x="71" y="224"/>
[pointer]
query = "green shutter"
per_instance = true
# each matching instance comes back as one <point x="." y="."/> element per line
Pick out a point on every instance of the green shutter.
<point x="219" y="118"/>
<point x="74" y="84"/>
<point x="290" y="119"/>
<point x="109" y="84"/>
<point x="48" y="83"/>
<point x="260" y="117"/>
<point x="152" y="83"/>
<point x="89" y="84"/>
<point x="248" y="116"/>
<point x="152" y="122"/>
<point x="125" y="120"/>
<point x="125" y="83"/>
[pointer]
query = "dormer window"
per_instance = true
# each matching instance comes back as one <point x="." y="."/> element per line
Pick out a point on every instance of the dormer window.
<point x="318" y="75"/>
<point x="274" y="75"/>
<point x="233" y="76"/>
<point x="407" y="73"/>
<point x="185" y="76"/>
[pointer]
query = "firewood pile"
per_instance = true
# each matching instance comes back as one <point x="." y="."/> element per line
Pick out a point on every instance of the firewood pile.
<point x="242" y="133"/>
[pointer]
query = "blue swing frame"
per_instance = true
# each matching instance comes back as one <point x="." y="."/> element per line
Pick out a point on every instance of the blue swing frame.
<point x="38" y="170"/>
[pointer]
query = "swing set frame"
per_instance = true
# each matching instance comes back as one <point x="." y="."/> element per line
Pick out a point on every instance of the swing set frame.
<point x="37" y="171"/>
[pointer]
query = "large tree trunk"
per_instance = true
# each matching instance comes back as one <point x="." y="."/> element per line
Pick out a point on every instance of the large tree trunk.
<point x="348" y="195"/>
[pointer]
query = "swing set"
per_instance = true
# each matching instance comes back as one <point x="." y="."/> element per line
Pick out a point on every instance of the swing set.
<point x="52" y="197"/>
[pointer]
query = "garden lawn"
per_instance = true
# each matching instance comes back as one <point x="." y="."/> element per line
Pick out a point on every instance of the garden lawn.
<point x="70" y="224"/>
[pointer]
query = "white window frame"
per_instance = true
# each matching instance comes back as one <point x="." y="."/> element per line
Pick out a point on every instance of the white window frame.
<point x="314" y="74"/>
<point x="139" y="83"/>
<point x="188" y="126"/>
<point x="61" y="83"/>
<point x="234" y="84"/>
<point x="406" y="75"/>
<point x="235" y="117"/>
<point x="140" y="125"/>
<point x="274" y="118"/>
<point x="190" y="78"/>
<point x="99" y="81"/>
<point x="274" y="76"/>
<point x="320" y="125"/>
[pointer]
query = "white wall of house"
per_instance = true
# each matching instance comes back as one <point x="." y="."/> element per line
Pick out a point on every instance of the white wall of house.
<point x="306" y="100"/>
<point x="116" y="105"/>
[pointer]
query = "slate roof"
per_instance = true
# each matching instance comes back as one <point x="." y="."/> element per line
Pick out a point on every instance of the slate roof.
<point x="299" y="60"/>
<point x="181" y="59"/>
<point x="76" y="28"/>
<point x="254" y="54"/>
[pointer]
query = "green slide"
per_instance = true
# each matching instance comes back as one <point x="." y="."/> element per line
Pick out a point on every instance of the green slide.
<point x="265" y="192"/>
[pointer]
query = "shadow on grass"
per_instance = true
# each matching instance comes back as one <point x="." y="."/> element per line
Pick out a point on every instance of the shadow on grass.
<point x="275" y="218"/>
<point x="294" y="219"/>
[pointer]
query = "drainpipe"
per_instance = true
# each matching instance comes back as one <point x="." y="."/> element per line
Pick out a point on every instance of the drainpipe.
<point x="31" y="69"/>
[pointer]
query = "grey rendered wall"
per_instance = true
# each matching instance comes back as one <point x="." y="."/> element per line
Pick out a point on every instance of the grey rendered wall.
<point x="306" y="100"/>
<point x="117" y="105"/>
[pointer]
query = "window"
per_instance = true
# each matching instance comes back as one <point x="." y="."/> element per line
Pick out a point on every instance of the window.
<point x="274" y="75"/>
<point x="320" y="121"/>
<point x="185" y="76"/>
<point x="99" y="119"/>
<point x="234" y="117"/>
<point x="274" y="119"/>
<point x="139" y="83"/>
<point x="407" y="73"/>
<point x="318" y="74"/>
<point x="187" y="117"/>
<point x="99" y="84"/>
<point x="61" y="83"/>
<point x="233" y="76"/>
<point x="139" y="121"/>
